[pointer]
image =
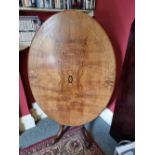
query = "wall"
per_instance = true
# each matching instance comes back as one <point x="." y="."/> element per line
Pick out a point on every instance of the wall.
<point x="116" y="17"/>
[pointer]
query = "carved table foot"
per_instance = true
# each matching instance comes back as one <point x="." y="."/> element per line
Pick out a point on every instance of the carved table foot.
<point x="61" y="131"/>
<point x="88" y="138"/>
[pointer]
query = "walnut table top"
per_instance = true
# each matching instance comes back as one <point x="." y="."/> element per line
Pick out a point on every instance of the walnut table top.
<point x="71" y="68"/>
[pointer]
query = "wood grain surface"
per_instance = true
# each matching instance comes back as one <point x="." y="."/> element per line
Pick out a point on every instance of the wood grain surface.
<point x="71" y="68"/>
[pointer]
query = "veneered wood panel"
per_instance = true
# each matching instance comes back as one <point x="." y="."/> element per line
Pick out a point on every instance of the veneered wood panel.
<point x="71" y="68"/>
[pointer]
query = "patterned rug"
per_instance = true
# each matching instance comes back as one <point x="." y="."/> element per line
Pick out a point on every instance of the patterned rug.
<point x="71" y="143"/>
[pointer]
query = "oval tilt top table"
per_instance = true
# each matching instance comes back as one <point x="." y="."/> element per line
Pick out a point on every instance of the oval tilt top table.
<point x="71" y="68"/>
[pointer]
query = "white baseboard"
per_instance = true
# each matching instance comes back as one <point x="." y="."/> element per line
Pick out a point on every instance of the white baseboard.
<point x="37" y="112"/>
<point x="26" y="122"/>
<point x="107" y="116"/>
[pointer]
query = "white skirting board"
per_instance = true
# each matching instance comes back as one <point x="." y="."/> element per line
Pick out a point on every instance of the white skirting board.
<point x="37" y="112"/>
<point x="26" y="122"/>
<point x="107" y="116"/>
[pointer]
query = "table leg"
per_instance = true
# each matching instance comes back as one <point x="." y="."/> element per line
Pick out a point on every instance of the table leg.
<point x="61" y="131"/>
<point x="88" y="138"/>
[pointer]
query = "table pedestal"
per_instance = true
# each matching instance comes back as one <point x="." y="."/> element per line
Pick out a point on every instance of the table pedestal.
<point x="63" y="129"/>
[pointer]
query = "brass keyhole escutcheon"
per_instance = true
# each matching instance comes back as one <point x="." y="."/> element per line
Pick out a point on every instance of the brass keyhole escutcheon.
<point x="70" y="79"/>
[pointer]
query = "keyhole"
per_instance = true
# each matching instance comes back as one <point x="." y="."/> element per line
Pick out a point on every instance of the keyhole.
<point x="70" y="79"/>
